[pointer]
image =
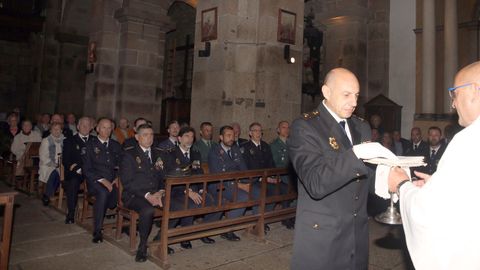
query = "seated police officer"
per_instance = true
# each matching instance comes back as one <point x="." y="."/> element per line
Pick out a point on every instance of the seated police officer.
<point x="226" y="157"/>
<point x="100" y="162"/>
<point x="258" y="155"/>
<point x="73" y="147"/>
<point x="186" y="160"/>
<point x="142" y="173"/>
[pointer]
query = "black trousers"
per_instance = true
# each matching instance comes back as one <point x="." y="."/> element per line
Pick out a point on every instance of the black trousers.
<point x="103" y="201"/>
<point x="72" y="186"/>
<point x="145" y="211"/>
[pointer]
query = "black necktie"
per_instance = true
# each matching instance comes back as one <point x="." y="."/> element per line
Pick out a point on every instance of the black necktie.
<point x="85" y="139"/>
<point x="186" y="155"/>
<point x="105" y="144"/>
<point x="342" y="123"/>
<point x="147" y="153"/>
<point x="229" y="152"/>
<point x="433" y="154"/>
<point x="415" y="147"/>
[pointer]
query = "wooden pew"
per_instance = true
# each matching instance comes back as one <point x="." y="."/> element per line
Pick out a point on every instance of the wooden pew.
<point x="254" y="223"/>
<point x="30" y="163"/>
<point x="6" y="199"/>
<point x="132" y="216"/>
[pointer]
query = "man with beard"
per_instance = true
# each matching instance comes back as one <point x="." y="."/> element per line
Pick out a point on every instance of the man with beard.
<point x="226" y="157"/>
<point x="172" y="140"/>
<point x="434" y="152"/>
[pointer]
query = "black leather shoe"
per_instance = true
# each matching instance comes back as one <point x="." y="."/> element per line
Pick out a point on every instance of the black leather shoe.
<point x="230" y="236"/>
<point x="170" y="250"/>
<point x="45" y="200"/>
<point x="207" y="240"/>
<point x="289" y="224"/>
<point x="186" y="245"/>
<point x="97" y="238"/>
<point x="141" y="256"/>
<point x="69" y="220"/>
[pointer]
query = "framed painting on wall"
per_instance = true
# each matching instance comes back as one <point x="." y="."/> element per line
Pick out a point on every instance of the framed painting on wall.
<point x="286" y="26"/>
<point x="209" y="24"/>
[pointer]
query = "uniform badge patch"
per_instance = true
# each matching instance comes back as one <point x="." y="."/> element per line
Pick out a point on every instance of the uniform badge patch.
<point x="252" y="152"/>
<point x="139" y="161"/>
<point x="333" y="143"/>
<point x="78" y="147"/>
<point x="159" y="164"/>
<point x="96" y="150"/>
<point x="177" y="161"/>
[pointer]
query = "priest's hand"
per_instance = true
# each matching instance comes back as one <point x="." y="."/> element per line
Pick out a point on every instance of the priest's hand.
<point x="422" y="179"/>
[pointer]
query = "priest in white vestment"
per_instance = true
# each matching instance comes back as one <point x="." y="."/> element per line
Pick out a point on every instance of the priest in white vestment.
<point x="441" y="219"/>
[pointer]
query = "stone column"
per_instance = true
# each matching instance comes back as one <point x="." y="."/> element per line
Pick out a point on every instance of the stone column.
<point x="130" y="47"/>
<point x="245" y="78"/>
<point x="428" y="57"/>
<point x="451" y="50"/>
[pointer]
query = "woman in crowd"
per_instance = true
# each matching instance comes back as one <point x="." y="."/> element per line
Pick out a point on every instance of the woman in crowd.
<point x="20" y="141"/>
<point x="50" y="151"/>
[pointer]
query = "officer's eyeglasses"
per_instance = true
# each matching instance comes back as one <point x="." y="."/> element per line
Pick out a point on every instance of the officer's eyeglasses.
<point x="453" y="90"/>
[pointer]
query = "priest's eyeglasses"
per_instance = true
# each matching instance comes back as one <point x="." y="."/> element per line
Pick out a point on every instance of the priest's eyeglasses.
<point x="452" y="90"/>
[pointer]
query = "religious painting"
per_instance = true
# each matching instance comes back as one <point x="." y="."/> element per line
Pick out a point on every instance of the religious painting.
<point x="286" y="26"/>
<point x="209" y="24"/>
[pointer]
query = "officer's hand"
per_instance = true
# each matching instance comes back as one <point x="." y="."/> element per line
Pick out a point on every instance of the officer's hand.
<point x="272" y="180"/>
<point x="106" y="184"/>
<point x="396" y="176"/>
<point x="154" y="200"/>
<point x="372" y="150"/>
<point x="422" y="179"/>
<point x="196" y="198"/>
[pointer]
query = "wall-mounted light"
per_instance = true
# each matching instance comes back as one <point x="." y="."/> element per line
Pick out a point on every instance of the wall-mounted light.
<point x="286" y="55"/>
<point x="206" y="51"/>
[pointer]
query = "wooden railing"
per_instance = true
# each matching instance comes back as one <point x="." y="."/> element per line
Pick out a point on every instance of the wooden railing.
<point x="6" y="199"/>
<point x="254" y="222"/>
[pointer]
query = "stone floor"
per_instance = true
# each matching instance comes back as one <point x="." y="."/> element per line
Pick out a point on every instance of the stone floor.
<point x="42" y="241"/>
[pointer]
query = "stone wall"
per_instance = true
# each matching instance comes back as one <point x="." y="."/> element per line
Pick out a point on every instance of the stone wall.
<point x="16" y="75"/>
<point x="246" y="79"/>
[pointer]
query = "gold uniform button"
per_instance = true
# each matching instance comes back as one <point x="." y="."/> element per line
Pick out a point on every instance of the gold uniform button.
<point x="356" y="197"/>
<point x="316" y="226"/>
<point x="355" y="214"/>
<point x="358" y="175"/>
<point x="358" y="180"/>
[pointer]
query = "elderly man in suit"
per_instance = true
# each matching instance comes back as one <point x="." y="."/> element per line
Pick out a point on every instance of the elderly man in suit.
<point x="73" y="148"/>
<point x="100" y="164"/>
<point x="331" y="230"/>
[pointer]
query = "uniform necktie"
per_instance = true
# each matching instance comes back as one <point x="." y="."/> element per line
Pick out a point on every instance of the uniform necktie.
<point x="342" y="123"/>
<point x="229" y="152"/>
<point x="147" y="153"/>
<point x="186" y="155"/>
<point x="433" y="154"/>
<point x="105" y="144"/>
<point x="415" y="147"/>
<point x="85" y="139"/>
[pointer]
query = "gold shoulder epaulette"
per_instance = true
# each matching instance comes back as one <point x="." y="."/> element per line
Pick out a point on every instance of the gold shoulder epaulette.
<point x="359" y="118"/>
<point x="310" y="114"/>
